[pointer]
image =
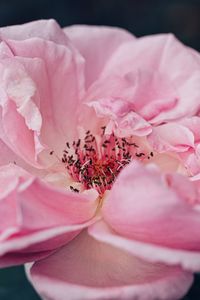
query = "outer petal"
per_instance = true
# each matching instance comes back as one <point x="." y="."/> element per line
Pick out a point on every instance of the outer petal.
<point x="165" y="55"/>
<point x="59" y="99"/>
<point x="90" y="269"/>
<point x="20" y="117"/>
<point x="46" y="54"/>
<point x="96" y="44"/>
<point x="31" y="246"/>
<point x="36" y="217"/>
<point x="188" y="260"/>
<point x="147" y="206"/>
<point x="10" y="178"/>
<point x="45" y="29"/>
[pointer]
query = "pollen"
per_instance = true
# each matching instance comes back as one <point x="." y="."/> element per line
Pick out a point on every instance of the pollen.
<point x="96" y="161"/>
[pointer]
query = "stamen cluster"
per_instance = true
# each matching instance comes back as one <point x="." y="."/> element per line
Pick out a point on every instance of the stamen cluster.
<point x="96" y="161"/>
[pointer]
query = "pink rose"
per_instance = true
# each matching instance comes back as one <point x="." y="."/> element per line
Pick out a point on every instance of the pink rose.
<point x="100" y="161"/>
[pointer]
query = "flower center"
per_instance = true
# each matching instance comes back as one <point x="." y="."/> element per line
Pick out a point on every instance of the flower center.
<point x="95" y="161"/>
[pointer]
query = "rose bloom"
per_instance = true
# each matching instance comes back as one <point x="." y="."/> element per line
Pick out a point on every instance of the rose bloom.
<point x="100" y="161"/>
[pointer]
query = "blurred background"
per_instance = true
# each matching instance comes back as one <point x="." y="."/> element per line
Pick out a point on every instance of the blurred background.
<point x="141" y="17"/>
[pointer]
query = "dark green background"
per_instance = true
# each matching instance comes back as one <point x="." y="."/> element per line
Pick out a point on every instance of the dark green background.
<point x="141" y="17"/>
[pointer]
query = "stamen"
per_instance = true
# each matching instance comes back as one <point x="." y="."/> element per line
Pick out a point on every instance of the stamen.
<point x="95" y="163"/>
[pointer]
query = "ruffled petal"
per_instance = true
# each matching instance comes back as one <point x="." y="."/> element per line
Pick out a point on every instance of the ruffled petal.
<point x="20" y="117"/>
<point x="59" y="99"/>
<point x="145" y="92"/>
<point x="123" y="122"/>
<point x="45" y="29"/>
<point x="191" y="158"/>
<point x="171" y="137"/>
<point x="45" y="59"/>
<point x="90" y="269"/>
<point x="96" y="44"/>
<point x="163" y="55"/>
<point x="184" y="142"/>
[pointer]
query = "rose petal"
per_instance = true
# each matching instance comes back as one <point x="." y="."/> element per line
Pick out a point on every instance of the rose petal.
<point x="89" y="269"/>
<point x="32" y="207"/>
<point x="9" y="179"/>
<point x="188" y="260"/>
<point x="54" y="61"/>
<point x="123" y="121"/>
<point x="6" y="155"/>
<point x="145" y="206"/>
<point x="162" y="54"/>
<point x="162" y="139"/>
<point x="45" y="29"/>
<point x="37" y="217"/>
<point x="91" y="41"/>
<point x="44" y="206"/>
<point x="143" y="91"/>
<point x="193" y="125"/>
<point x="21" y="119"/>
<point x="30" y="246"/>
<point x="14" y="259"/>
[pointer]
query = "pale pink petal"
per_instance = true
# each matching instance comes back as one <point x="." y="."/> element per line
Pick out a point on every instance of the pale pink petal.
<point x="191" y="158"/>
<point x="171" y="137"/>
<point x="145" y="92"/>
<point x="132" y="124"/>
<point x="123" y="121"/>
<point x="113" y="89"/>
<point x="162" y="54"/>
<point x="18" y="137"/>
<point x="184" y="141"/>
<point x="32" y="207"/>
<point x="113" y="108"/>
<point x="33" y="245"/>
<point x="96" y="44"/>
<point x="10" y="177"/>
<point x="193" y="124"/>
<point x="20" y="117"/>
<point x="36" y="217"/>
<point x="44" y="206"/>
<point x="45" y="29"/>
<point x="58" y="100"/>
<point x="153" y="93"/>
<point x="147" y="206"/>
<point x="90" y="269"/>
<point x="6" y="154"/>
<point x="191" y="161"/>
<point x="5" y="51"/>
<point x="188" y="260"/>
